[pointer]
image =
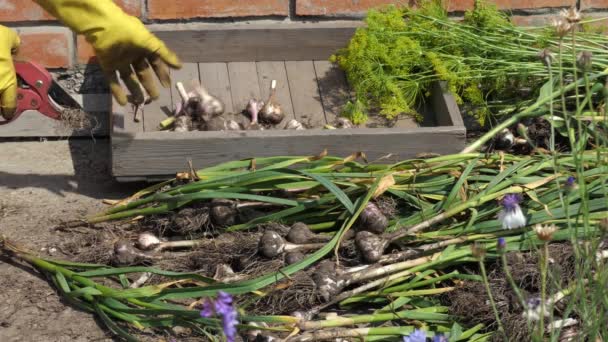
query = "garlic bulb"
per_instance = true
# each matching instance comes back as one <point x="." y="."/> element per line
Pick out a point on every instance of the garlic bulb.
<point x="344" y="123"/>
<point x="294" y="124"/>
<point x="147" y="241"/>
<point x="210" y="105"/>
<point x="253" y="108"/>
<point x="183" y="123"/>
<point x="271" y="112"/>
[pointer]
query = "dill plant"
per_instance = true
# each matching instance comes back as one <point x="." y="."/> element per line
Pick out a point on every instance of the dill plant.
<point x="486" y="61"/>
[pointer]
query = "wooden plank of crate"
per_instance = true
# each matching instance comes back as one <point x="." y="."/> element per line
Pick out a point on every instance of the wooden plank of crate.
<point x="244" y="42"/>
<point x="243" y="83"/>
<point x="214" y="77"/>
<point x="305" y="93"/>
<point x="444" y="105"/>
<point x="165" y="153"/>
<point x="161" y="108"/>
<point x="122" y="119"/>
<point x="333" y="87"/>
<point x="268" y="71"/>
<point x="186" y="75"/>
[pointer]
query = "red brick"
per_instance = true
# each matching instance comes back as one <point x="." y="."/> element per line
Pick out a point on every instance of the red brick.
<point x="49" y="49"/>
<point x="359" y="7"/>
<point x="85" y="53"/>
<point x="185" y="9"/>
<point x="19" y="10"/>
<point x="132" y="7"/>
<point x="28" y="10"/>
<point x="342" y="7"/>
<point x="596" y="4"/>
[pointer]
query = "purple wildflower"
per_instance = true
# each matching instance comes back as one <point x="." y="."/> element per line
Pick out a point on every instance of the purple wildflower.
<point x="533" y="309"/>
<point x="570" y="181"/>
<point x="511" y="215"/>
<point x="501" y="244"/>
<point x="207" y="309"/>
<point x="511" y="201"/>
<point x="440" y="338"/>
<point x="570" y="184"/>
<point x="417" y="336"/>
<point x="223" y="306"/>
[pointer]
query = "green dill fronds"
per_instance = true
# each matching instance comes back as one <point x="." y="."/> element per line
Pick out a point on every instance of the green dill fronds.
<point x="356" y="112"/>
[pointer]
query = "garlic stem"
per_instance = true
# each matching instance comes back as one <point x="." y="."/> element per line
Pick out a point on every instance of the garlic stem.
<point x="182" y="92"/>
<point x="179" y="244"/>
<point x="141" y="280"/>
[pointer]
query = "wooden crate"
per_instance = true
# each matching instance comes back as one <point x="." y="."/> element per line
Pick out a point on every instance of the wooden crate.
<point x="237" y="63"/>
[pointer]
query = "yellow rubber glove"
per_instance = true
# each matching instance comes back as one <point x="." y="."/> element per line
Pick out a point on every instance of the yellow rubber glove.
<point x="9" y="43"/>
<point x="122" y="43"/>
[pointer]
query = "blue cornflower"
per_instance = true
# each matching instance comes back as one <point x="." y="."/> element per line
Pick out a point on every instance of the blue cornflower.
<point x="440" y="338"/>
<point x="501" y="244"/>
<point x="511" y="215"/>
<point x="222" y="306"/>
<point x="417" y="336"/>
<point x="571" y="183"/>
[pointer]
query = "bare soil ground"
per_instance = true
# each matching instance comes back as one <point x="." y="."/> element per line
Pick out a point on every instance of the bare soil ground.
<point x="42" y="182"/>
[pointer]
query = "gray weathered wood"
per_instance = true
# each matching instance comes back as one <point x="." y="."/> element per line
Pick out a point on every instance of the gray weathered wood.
<point x="333" y="88"/>
<point x="159" y="109"/>
<point x="34" y="124"/>
<point x="187" y="74"/>
<point x="122" y="119"/>
<point x="165" y="153"/>
<point x="268" y="71"/>
<point x="444" y="105"/>
<point x="243" y="83"/>
<point x="305" y="93"/>
<point x="257" y="41"/>
<point x="215" y="78"/>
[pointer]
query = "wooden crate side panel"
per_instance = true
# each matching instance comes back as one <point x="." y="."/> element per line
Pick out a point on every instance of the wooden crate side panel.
<point x="247" y="42"/>
<point x="444" y="106"/>
<point x="305" y="95"/>
<point x="163" y="153"/>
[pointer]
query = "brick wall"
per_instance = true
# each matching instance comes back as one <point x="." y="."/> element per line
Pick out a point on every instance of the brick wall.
<point x="48" y="42"/>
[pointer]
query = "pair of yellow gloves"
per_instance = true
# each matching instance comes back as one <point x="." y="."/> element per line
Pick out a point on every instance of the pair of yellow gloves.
<point x="121" y="43"/>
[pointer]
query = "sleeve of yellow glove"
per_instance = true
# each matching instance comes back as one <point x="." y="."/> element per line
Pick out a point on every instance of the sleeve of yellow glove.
<point x="9" y="43"/>
<point x="120" y="42"/>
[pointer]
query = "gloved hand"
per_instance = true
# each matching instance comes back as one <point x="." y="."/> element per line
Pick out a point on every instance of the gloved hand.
<point x="120" y="41"/>
<point x="9" y="43"/>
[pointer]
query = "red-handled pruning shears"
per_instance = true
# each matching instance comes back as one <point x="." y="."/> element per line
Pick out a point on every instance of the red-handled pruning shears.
<point x="37" y="90"/>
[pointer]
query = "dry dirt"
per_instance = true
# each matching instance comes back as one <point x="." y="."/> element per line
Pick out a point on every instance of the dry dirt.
<point x="42" y="182"/>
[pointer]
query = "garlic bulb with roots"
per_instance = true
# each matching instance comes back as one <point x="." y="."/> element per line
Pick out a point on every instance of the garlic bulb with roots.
<point x="295" y="125"/>
<point x="271" y="113"/>
<point x="272" y="244"/>
<point x="372" y="219"/>
<point x="126" y="254"/>
<point x="209" y="105"/>
<point x="224" y="212"/>
<point x="253" y="109"/>
<point x="147" y="241"/>
<point x="301" y="233"/>
<point x="344" y="123"/>
<point x="183" y="123"/>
